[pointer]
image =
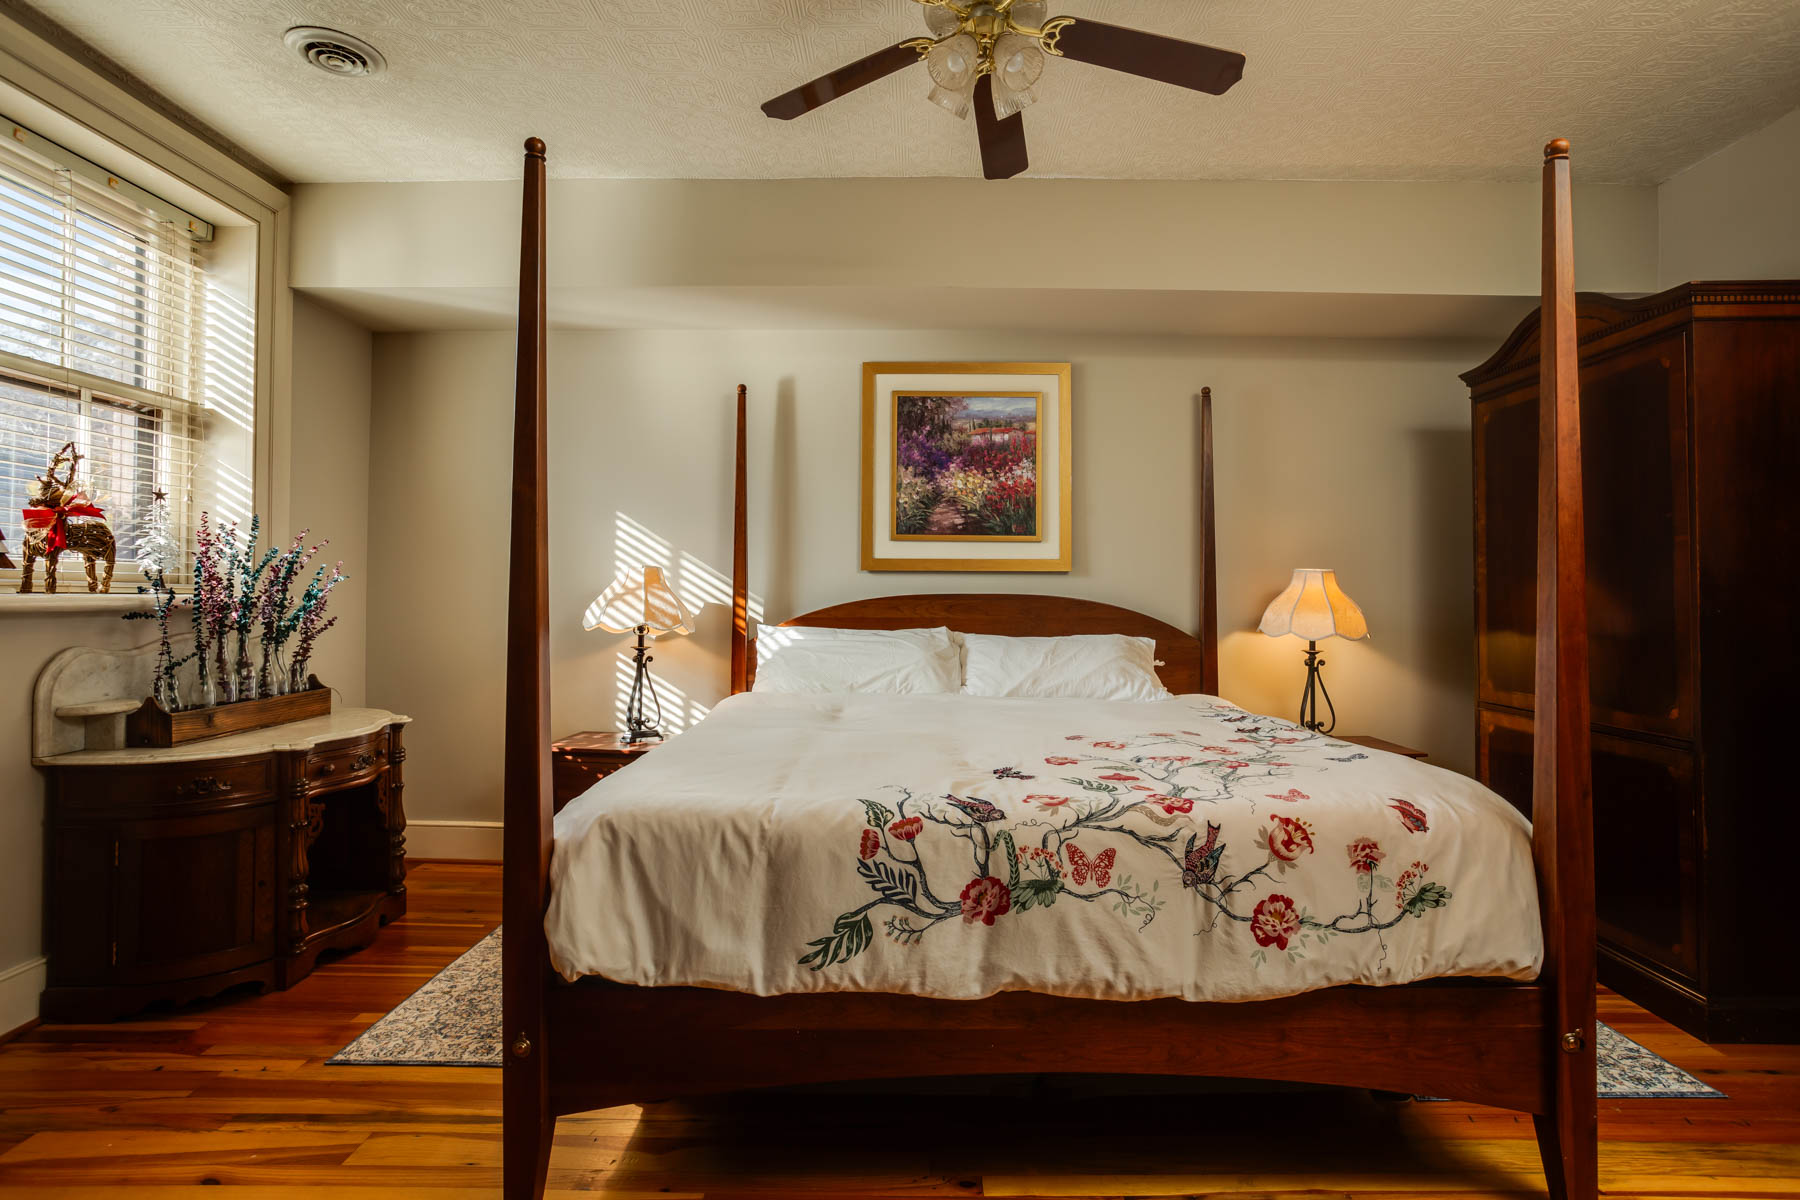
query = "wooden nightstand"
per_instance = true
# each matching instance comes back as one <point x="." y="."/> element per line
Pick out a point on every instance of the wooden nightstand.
<point x="1375" y="743"/>
<point x="580" y="759"/>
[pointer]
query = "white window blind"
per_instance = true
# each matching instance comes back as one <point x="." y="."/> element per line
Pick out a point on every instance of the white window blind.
<point x="102" y="343"/>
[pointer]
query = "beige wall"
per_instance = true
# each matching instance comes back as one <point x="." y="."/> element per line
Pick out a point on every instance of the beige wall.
<point x="1349" y="454"/>
<point x="445" y="255"/>
<point x="330" y="491"/>
<point x="1735" y="215"/>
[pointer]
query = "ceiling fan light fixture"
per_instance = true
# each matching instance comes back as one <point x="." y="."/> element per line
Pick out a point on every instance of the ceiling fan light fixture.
<point x="1018" y="62"/>
<point x="1007" y="102"/>
<point x="953" y="62"/>
<point x="954" y="103"/>
<point x="1030" y="14"/>
<point x="942" y="21"/>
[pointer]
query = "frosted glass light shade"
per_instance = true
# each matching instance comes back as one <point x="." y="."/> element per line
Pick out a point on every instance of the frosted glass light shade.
<point x="639" y="598"/>
<point x="953" y="62"/>
<point x="941" y="21"/>
<point x="1017" y="62"/>
<point x="1030" y="14"/>
<point x="1314" y="607"/>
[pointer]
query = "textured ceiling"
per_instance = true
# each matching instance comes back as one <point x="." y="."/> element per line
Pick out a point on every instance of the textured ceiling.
<point x="1335" y="89"/>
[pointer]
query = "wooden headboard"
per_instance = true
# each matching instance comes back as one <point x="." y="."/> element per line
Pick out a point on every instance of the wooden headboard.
<point x="1188" y="663"/>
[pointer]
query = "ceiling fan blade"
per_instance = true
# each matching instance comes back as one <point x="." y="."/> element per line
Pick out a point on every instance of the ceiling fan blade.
<point x="1002" y="142"/>
<point x="1170" y="60"/>
<point x="842" y="81"/>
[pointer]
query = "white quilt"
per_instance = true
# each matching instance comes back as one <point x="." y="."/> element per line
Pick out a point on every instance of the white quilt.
<point x="956" y="846"/>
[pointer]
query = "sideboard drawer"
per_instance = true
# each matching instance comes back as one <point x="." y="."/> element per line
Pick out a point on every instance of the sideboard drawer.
<point x="331" y="766"/>
<point x="135" y="788"/>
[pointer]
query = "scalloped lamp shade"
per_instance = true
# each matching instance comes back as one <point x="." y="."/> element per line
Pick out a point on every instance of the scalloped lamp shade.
<point x="1314" y="607"/>
<point x="639" y="598"/>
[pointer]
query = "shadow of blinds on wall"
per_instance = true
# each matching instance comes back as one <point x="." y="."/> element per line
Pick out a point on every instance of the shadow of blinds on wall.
<point x="102" y="343"/>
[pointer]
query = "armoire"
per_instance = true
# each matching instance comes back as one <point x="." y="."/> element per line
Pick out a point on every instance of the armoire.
<point x="1690" y="435"/>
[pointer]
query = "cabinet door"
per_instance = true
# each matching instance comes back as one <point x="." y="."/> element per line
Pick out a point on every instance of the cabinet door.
<point x="194" y="895"/>
<point x="1505" y="435"/>
<point x="1640" y="576"/>
<point x="1646" y="835"/>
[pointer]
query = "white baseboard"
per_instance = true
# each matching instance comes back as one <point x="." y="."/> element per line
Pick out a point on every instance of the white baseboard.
<point x="477" y="840"/>
<point x="20" y="988"/>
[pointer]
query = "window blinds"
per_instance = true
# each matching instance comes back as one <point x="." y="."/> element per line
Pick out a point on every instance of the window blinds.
<point x="102" y="343"/>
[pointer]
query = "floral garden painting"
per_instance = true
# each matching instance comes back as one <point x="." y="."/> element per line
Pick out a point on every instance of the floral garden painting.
<point x="967" y="467"/>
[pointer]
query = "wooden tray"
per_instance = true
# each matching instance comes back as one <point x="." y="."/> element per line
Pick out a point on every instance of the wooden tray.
<point x="151" y="726"/>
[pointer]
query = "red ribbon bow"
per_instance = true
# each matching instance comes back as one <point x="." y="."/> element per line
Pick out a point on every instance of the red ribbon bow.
<point x="56" y="520"/>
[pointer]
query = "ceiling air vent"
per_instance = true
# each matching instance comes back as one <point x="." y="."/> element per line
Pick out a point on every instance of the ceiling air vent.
<point x="330" y="50"/>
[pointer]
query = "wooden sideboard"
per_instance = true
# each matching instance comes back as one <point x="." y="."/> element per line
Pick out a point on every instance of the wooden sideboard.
<point x="173" y="874"/>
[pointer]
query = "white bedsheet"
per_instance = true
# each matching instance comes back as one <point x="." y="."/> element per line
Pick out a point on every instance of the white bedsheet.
<point x="956" y="846"/>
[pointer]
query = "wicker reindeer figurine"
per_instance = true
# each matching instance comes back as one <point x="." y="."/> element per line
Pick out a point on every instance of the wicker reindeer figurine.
<point x="50" y="529"/>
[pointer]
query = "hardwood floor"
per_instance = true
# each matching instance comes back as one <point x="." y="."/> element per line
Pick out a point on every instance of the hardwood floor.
<point x="233" y="1097"/>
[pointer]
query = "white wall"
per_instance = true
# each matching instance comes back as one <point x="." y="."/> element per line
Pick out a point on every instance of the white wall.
<point x="1735" y="215"/>
<point x="330" y="491"/>
<point x="1350" y="454"/>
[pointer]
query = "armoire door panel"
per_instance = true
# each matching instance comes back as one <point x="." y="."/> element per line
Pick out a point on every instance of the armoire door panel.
<point x="1640" y="593"/>
<point x="1646" y="834"/>
<point x="1635" y="476"/>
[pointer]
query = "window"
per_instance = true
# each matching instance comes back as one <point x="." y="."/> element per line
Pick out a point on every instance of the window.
<point x="103" y="343"/>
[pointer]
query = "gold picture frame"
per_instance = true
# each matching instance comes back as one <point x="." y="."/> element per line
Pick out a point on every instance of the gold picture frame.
<point x="987" y="389"/>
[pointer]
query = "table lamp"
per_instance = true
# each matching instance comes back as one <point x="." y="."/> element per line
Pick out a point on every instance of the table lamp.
<point x="640" y="601"/>
<point x="1315" y="608"/>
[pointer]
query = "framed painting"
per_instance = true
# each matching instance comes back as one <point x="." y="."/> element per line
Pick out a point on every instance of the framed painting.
<point x="966" y="467"/>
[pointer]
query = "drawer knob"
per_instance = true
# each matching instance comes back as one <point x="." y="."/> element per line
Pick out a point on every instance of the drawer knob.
<point x="363" y="762"/>
<point x="205" y="785"/>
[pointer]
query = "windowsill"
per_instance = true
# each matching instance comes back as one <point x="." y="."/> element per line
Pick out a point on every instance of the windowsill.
<point x="13" y="604"/>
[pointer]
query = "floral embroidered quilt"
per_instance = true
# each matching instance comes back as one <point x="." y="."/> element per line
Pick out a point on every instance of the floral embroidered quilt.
<point x="957" y="846"/>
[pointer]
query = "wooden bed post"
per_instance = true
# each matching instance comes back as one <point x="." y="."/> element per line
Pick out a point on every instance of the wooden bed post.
<point x="740" y="560"/>
<point x="1209" y="558"/>
<point x="1562" y="801"/>
<point x="528" y="1121"/>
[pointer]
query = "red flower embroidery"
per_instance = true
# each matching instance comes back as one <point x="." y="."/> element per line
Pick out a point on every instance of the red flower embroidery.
<point x="1274" y="921"/>
<point x="1110" y="745"/>
<point x="985" y="899"/>
<point x="1076" y="737"/>
<point x="1059" y="760"/>
<point x="907" y="828"/>
<point x="1407" y="878"/>
<point x="1118" y="778"/>
<point x="1284" y="741"/>
<point x="1048" y="801"/>
<point x="1174" y="804"/>
<point x="1411" y="815"/>
<point x="1234" y="766"/>
<point x="1291" y="795"/>
<point x="871" y="844"/>
<point x="1289" y="839"/>
<point x="1365" y="853"/>
<point x="1170" y="758"/>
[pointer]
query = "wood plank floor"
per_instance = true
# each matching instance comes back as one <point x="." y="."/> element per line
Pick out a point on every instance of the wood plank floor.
<point x="231" y="1100"/>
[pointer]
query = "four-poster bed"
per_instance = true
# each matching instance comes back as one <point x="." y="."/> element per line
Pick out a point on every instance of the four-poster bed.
<point x="593" y="1043"/>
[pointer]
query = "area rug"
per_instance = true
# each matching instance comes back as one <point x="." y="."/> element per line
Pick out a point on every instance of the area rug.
<point x="454" y="1021"/>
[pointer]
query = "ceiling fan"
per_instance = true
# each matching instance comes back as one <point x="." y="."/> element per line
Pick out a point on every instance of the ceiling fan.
<point x="987" y="55"/>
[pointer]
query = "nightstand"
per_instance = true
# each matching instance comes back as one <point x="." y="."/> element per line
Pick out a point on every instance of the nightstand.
<point x="1375" y="743"/>
<point x="580" y="759"/>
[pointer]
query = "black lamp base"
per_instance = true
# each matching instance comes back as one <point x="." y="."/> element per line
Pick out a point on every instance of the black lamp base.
<point x="1315" y="691"/>
<point x="638" y="727"/>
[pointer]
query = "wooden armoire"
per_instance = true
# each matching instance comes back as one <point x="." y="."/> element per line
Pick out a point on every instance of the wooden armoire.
<point x="1691" y="455"/>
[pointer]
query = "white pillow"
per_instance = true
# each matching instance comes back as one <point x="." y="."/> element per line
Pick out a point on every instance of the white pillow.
<point x="815" y="660"/>
<point x="1089" y="666"/>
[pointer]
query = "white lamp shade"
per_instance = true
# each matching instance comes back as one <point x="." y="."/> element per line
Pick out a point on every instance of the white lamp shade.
<point x="639" y="598"/>
<point x="1314" y="607"/>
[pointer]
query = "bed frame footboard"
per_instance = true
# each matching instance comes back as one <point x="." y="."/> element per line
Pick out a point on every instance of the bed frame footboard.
<point x="1528" y="1047"/>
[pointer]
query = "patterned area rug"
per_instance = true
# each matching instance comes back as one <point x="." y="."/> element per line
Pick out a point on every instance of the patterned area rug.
<point x="454" y="1021"/>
